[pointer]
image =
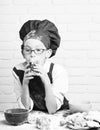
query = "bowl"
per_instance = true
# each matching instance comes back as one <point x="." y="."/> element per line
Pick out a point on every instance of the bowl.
<point x="16" y="116"/>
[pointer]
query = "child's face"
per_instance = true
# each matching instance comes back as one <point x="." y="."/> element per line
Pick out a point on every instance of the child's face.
<point x="35" y="51"/>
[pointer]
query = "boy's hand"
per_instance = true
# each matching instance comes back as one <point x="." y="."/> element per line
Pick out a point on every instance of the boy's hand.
<point x="38" y="70"/>
<point x="28" y="74"/>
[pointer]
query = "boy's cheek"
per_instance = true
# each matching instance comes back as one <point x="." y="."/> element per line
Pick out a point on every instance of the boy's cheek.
<point x="27" y="58"/>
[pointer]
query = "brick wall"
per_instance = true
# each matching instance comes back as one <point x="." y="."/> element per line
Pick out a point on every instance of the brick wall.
<point x="78" y="22"/>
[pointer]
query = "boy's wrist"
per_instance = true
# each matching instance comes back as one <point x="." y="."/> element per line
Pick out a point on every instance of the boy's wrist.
<point x="25" y="83"/>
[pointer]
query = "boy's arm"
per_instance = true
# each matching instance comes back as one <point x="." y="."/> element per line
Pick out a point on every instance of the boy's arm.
<point x="60" y="84"/>
<point x="25" y="97"/>
<point x="79" y="107"/>
<point x="49" y="97"/>
<point x="18" y="92"/>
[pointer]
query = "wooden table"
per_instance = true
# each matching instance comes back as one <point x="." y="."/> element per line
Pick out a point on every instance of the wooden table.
<point x="26" y="126"/>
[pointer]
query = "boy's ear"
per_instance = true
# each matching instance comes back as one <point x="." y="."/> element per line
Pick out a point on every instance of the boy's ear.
<point x="48" y="53"/>
<point x="22" y="51"/>
<point x="22" y="46"/>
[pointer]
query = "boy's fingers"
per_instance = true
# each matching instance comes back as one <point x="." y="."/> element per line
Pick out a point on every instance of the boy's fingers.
<point x="30" y="77"/>
<point x="27" y="65"/>
<point x="27" y="70"/>
<point x="28" y="74"/>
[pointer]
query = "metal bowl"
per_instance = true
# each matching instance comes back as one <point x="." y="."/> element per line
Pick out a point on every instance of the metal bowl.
<point x="16" y="116"/>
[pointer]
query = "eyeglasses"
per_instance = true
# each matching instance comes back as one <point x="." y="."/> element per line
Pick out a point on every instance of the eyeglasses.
<point x="36" y="51"/>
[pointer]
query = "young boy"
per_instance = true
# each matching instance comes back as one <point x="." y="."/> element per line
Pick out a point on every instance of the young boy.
<point x="40" y="84"/>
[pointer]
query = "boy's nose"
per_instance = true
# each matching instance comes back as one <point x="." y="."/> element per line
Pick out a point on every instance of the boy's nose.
<point x="33" y="54"/>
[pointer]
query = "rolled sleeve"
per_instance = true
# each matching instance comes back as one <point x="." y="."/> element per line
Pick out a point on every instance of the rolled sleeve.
<point x="60" y="84"/>
<point x="17" y="85"/>
<point x="59" y="98"/>
<point x="18" y="92"/>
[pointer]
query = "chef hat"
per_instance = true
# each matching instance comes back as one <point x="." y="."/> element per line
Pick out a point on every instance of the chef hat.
<point x="44" y="30"/>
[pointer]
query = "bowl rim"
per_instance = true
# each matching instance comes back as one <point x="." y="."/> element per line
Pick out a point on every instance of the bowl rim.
<point x="7" y="111"/>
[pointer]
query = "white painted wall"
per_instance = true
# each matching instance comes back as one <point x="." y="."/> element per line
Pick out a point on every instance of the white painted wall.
<point x="78" y="22"/>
